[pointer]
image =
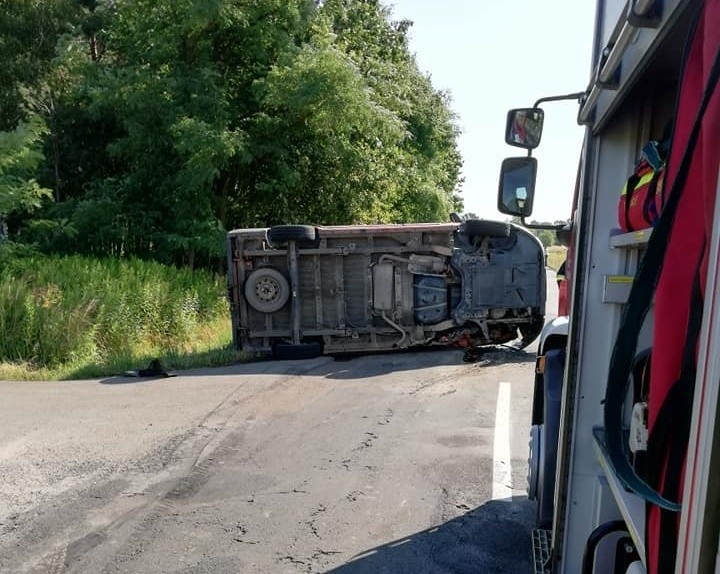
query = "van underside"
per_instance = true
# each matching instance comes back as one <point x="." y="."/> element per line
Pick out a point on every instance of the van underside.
<point x="371" y="288"/>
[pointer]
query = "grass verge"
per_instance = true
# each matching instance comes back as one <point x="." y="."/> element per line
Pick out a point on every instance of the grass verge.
<point x="77" y="317"/>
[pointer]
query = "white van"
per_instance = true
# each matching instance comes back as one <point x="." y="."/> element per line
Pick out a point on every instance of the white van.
<point x="298" y="291"/>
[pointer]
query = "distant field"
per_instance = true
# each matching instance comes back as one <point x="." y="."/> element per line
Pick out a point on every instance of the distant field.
<point x="555" y="256"/>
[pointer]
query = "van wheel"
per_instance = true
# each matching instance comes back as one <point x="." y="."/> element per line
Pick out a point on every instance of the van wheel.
<point x="530" y="331"/>
<point x="287" y="351"/>
<point x="484" y="228"/>
<point x="267" y="290"/>
<point x="280" y="234"/>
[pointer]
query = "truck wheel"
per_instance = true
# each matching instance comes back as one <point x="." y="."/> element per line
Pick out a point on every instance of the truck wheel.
<point x="281" y="234"/>
<point x="287" y="351"/>
<point x="552" y="397"/>
<point x="535" y="461"/>
<point x="538" y="404"/>
<point x="267" y="290"/>
<point x="484" y="228"/>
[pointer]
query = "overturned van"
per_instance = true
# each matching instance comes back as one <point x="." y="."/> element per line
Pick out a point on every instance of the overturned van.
<point x="298" y="291"/>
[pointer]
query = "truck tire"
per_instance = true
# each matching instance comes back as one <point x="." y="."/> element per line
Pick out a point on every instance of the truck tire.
<point x="552" y="391"/>
<point x="267" y="290"/>
<point x="287" y="351"/>
<point x="535" y="461"/>
<point x="484" y="228"/>
<point x="280" y="234"/>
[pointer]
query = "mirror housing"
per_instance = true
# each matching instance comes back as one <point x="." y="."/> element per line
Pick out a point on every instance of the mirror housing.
<point x="524" y="127"/>
<point x="517" y="186"/>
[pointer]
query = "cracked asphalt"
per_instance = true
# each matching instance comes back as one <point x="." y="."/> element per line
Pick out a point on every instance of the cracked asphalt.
<point x="377" y="464"/>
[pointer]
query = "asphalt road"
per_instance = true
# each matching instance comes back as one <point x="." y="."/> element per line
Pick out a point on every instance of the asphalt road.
<point x="393" y="463"/>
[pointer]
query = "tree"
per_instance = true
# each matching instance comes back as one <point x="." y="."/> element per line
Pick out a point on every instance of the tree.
<point x="170" y="121"/>
<point x="333" y="144"/>
<point x="20" y="155"/>
<point x="425" y="168"/>
<point x="161" y="79"/>
<point x="546" y="237"/>
<point x="29" y="31"/>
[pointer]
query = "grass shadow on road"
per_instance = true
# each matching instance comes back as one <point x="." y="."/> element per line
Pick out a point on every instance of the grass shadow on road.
<point x="492" y="539"/>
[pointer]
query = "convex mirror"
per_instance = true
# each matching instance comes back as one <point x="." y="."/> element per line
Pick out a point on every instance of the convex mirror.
<point x="524" y="127"/>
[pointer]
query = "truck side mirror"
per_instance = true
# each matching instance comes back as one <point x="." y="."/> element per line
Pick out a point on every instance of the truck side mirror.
<point x="524" y="127"/>
<point x="517" y="186"/>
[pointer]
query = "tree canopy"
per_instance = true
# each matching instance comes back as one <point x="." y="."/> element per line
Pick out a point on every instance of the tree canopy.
<point x="151" y="127"/>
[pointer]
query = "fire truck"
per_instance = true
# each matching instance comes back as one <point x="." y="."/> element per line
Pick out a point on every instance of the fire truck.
<point x="624" y="461"/>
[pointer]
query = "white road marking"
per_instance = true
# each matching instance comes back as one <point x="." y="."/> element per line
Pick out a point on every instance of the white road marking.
<point x="502" y="470"/>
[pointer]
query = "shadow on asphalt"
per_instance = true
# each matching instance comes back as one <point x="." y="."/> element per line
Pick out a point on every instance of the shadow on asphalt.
<point x="351" y="367"/>
<point x="122" y="380"/>
<point x="491" y="539"/>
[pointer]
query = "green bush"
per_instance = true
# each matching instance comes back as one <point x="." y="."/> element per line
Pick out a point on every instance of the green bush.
<point x="74" y="310"/>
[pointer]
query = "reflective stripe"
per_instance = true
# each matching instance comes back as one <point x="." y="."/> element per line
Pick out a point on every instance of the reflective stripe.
<point x="644" y="180"/>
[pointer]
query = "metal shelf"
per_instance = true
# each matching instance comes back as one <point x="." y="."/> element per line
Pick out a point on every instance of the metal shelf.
<point x="632" y="507"/>
<point x="633" y="239"/>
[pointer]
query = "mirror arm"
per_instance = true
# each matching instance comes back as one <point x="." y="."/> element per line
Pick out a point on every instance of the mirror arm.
<point x="573" y="96"/>
<point x="540" y="226"/>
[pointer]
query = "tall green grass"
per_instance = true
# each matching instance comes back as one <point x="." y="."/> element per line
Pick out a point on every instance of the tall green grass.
<point x="76" y="314"/>
<point x="556" y="254"/>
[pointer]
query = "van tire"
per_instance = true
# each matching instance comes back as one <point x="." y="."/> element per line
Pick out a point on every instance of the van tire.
<point x="280" y="234"/>
<point x="484" y="228"/>
<point x="267" y="290"/>
<point x="531" y="331"/>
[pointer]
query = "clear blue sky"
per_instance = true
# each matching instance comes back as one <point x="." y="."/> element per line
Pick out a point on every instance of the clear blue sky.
<point x="493" y="55"/>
